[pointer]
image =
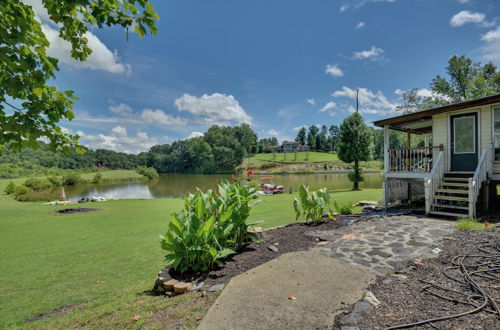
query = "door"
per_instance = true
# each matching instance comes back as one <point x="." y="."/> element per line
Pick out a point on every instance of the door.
<point x="464" y="142"/>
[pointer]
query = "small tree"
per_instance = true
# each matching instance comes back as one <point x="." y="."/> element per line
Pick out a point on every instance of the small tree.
<point x="355" y="145"/>
<point x="11" y="188"/>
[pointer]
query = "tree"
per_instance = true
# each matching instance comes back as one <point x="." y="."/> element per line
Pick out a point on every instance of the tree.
<point x="311" y="137"/>
<point x="414" y="101"/>
<point x="467" y="80"/>
<point x="355" y="145"/>
<point x="301" y="136"/>
<point x="30" y="108"/>
<point x="321" y="139"/>
<point x="334" y="137"/>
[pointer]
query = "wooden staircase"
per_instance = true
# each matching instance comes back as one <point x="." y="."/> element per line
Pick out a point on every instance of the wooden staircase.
<point x="452" y="196"/>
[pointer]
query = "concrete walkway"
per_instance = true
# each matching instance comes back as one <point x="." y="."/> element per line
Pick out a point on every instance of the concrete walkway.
<point x="324" y="279"/>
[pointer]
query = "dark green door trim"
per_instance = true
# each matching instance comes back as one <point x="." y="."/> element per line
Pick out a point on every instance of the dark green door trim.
<point x="464" y="142"/>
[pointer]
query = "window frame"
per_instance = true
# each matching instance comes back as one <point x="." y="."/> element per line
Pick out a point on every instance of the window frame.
<point x="494" y="134"/>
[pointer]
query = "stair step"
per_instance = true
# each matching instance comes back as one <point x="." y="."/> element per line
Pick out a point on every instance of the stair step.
<point x="456" y="179"/>
<point x="453" y="191"/>
<point x="452" y="198"/>
<point x="449" y="214"/>
<point x="444" y="206"/>
<point x="455" y="184"/>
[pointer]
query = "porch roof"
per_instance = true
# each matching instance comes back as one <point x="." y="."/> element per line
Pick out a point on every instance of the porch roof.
<point x="421" y="122"/>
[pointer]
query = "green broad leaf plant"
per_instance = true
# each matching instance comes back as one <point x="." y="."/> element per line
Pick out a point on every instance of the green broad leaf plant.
<point x="312" y="205"/>
<point x="211" y="226"/>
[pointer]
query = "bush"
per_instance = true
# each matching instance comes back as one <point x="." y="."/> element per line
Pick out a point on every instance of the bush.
<point x="148" y="172"/>
<point x="209" y="228"/>
<point x="72" y="179"/>
<point x="21" y="190"/>
<point x="37" y="184"/>
<point x="471" y="224"/>
<point x="35" y="196"/>
<point x="313" y="205"/>
<point x="344" y="208"/>
<point x="55" y="180"/>
<point x="97" y="178"/>
<point x="11" y="188"/>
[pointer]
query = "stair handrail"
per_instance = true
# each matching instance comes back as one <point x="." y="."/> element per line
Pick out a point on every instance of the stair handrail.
<point x="475" y="183"/>
<point x="433" y="181"/>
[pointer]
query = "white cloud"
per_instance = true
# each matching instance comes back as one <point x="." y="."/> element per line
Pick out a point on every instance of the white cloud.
<point x="369" y="102"/>
<point x="328" y="106"/>
<point x="463" y="1"/>
<point x="334" y="70"/>
<point x="423" y="92"/>
<point x="373" y="53"/>
<point x="118" y="140"/>
<point x="344" y="8"/>
<point x="102" y="58"/>
<point x="491" y="49"/>
<point x="465" y="17"/>
<point x="311" y="101"/>
<point x="194" y="135"/>
<point x="214" y="109"/>
<point x="360" y="25"/>
<point x="159" y="117"/>
<point x="273" y="132"/>
<point x="121" y="108"/>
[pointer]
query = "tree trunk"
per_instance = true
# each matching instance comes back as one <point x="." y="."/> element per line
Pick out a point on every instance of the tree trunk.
<point x="355" y="185"/>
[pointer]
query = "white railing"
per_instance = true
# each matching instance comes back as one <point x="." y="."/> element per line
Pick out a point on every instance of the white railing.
<point x="475" y="183"/>
<point x="433" y="181"/>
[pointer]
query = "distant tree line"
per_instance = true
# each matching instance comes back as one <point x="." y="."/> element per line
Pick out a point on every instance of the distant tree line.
<point x="324" y="139"/>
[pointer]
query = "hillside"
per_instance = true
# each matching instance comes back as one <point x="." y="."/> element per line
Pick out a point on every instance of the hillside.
<point x="303" y="162"/>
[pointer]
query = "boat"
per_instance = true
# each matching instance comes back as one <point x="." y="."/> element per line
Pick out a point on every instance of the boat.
<point x="270" y="188"/>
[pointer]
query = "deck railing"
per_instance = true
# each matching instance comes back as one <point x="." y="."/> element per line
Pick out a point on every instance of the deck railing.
<point x="475" y="183"/>
<point x="410" y="159"/>
<point x="433" y="181"/>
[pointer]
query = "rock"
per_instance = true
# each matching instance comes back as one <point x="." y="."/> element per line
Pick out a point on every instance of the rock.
<point x="370" y="298"/>
<point x="362" y="307"/>
<point x="160" y="289"/>
<point x="436" y="250"/>
<point x="197" y="286"/>
<point x="386" y="281"/>
<point x="182" y="287"/>
<point x="257" y="229"/>
<point x="349" y="327"/>
<point x="216" y="287"/>
<point x="350" y="319"/>
<point x="322" y="243"/>
<point x="164" y="274"/>
<point x="273" y="248"/>
<point x="363" y="203"/>
<point x="400" y="276"/>
<point x="169" y="285"/>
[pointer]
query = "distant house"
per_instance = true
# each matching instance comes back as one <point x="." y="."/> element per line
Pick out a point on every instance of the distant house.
<point x="288" y="147"/>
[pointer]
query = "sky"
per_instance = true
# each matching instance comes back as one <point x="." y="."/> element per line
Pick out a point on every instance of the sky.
<point x="276" y="65"/>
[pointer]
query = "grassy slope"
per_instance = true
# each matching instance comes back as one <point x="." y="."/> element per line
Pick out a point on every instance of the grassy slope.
<point x="51" y="260"/>
<point x="314" y="157"/>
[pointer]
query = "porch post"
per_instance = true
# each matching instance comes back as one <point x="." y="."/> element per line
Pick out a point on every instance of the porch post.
<point x="386" y="164"/>
<point x="426" y="140"/>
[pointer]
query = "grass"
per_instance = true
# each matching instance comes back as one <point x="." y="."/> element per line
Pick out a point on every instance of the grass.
<point x="471" y="224"/>
<point x="101" y="263"/>
<point x="267" y="160"/>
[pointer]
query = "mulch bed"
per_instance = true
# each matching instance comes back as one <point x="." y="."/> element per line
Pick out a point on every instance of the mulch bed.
<point x="76" y="210"/>
<point x="290" y="238"/>
<point x="404" y="300"/>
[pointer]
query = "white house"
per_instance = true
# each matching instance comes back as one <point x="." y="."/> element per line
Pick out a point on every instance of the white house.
<point x="458" y="172"/>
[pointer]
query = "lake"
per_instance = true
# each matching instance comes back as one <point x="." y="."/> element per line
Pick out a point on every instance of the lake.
<point x="176" y="185"/>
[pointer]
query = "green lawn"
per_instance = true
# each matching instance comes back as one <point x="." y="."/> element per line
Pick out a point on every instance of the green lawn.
<point x="102" y="262"/>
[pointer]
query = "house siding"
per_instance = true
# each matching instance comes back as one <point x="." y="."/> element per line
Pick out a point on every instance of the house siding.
<point x="441" y="129"/>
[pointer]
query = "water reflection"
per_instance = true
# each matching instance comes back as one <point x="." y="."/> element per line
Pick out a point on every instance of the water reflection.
<point x="176" y="185"/>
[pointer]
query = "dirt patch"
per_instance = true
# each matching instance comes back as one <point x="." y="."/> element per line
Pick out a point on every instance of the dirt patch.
<point x="77" y="210"/>
<point x="289" y="238"/>
<point x="56" y="312"/>
<point x="406" y="297"/>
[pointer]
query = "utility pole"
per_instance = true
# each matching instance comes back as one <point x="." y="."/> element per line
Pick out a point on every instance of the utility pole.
<point x="357" y="99"/>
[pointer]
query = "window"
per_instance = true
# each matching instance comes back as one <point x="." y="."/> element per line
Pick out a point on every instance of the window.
<point x="465" y="135"/>
<point x="496" y="132"/>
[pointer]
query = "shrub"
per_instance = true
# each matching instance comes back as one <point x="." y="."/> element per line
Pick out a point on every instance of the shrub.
<point x="471" y="224"/>
<point x="21" y="190"/>
<point x="55" y="180"/>
<point x="344" y="208"/>
<point x="148" y="172"/>
<point x="210" y="227"/>
<point x="11" y="188"/>
<point x="97" y="178"/>
<point x="72" y="179"/>
<point x="313" y="205"/>
<point x="35" y="196"/>
<point x="37" y="184"/>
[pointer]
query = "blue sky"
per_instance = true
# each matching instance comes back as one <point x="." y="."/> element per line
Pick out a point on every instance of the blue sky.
<point x="276" y="65"/>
